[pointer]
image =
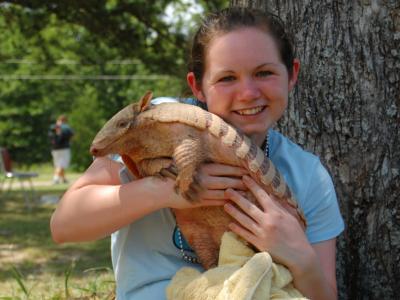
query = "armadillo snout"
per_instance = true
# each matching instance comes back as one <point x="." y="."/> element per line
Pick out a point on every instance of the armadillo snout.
<point x="94" y="151"/>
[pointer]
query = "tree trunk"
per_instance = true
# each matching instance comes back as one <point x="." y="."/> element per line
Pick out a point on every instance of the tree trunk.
<point x="346" y="110"/>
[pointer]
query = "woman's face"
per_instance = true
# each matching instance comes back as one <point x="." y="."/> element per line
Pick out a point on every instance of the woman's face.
<point x="245" y="81"/>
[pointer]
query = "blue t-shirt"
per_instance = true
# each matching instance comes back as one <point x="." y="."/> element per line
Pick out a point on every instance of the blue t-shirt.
<point x="146" y="254"/>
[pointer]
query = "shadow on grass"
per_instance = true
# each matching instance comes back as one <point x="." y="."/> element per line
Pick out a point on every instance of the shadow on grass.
<point x="26" y="244"/>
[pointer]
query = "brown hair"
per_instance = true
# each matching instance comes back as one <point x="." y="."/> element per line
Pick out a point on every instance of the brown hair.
<point x="62" y="118"/>
<point x="232" y="18"/>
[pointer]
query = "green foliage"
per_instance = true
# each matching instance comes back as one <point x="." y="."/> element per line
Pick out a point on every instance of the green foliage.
<point x="33" y="267"/>
<point x="67" y="275"/>
<point x="135" y="27"/>
<point x="52" y="54"/>
<point x="19" y="279"/>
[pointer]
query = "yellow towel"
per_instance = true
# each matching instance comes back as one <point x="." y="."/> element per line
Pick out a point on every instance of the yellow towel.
<point x="241" y="274"/>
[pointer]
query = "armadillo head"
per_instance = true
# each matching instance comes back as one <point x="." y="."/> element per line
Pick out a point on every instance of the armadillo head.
<point x="112" y="137"/>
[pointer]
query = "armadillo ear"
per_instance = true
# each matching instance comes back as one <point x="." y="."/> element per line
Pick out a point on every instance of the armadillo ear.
<point x="144" y="102"/>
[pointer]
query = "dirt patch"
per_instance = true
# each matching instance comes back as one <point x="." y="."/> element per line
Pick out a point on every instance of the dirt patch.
<point x="12" y="253"/>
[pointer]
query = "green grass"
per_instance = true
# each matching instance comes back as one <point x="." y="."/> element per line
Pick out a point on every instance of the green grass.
<point x="45" y="171"/>
<point x="32" y="266"/>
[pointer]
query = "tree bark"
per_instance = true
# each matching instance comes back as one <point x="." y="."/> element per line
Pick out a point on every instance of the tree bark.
<point x="346" y="110"/>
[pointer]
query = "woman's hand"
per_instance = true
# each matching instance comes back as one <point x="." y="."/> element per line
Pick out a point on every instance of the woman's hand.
<point x="214" y="179"/>
<point x="269" y="228"/>
<point x="210" y="183"/>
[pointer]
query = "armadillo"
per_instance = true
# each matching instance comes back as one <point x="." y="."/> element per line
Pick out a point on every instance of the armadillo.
<point x="174" y="139"/>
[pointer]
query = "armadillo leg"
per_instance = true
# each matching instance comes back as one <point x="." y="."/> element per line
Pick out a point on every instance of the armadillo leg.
<point x="156" y="167"/>
<point x="187" y="156"/>
<point x="171" y="172"/>
<point x="193" y="191"/>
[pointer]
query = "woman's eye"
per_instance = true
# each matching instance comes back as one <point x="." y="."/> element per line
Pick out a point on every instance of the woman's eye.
<point x="263" y="73"/>
<point x="227" y="79"/>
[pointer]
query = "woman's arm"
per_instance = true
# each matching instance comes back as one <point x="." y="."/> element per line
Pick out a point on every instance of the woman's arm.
<point x="320" y="281"/>
<point x="97" y="204"/>
<point x="275" y="230"/>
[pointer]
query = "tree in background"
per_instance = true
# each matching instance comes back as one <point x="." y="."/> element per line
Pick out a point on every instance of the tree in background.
<point x="87" y="60"/>
<point x="346" y="109"/>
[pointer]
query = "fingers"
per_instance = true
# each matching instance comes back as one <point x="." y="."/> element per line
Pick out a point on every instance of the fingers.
<point x="242" y="232"/>
<point x="220" y="177"/>
<point x="196" y="195"/>
<point x="253" y="186"/>
<point x="210" y="194"/>
<point x="210" y="182"/>
<point x="214" y="194"/>
<point x="218" y="194"/>
<point x="203" y="190"/>
<point x="262" y="196"/>
<point x="270" y="202"/>
<point x="250" y="215"/>
<point x="214" y="169"/>
<point x="219" y="183"/>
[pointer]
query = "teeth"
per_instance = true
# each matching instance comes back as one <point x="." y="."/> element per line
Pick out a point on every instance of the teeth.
<point x="250" y="111"/>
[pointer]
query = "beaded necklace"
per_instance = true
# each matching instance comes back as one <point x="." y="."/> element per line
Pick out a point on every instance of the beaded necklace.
<point x="265" y="146"/>
<point x="185" y="257"/>
<point x="194" y="259"/>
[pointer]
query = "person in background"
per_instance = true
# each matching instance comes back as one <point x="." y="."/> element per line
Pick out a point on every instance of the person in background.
<point x="243" y="67"/>
<point x="60" y="135"/>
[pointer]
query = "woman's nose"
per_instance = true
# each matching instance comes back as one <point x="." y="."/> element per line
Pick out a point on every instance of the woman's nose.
<point x="249" y="90"/>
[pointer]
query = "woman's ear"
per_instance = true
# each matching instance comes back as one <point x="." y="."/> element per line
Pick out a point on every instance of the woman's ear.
<point x="196" y="89"/>
<point x="295" y="74"/>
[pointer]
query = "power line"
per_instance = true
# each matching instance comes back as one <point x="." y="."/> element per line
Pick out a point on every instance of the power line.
<point x="84" y="77"/>
<point x="67" y="62"/>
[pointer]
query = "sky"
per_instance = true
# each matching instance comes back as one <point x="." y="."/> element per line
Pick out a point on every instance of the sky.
<point x="176" y="12"/>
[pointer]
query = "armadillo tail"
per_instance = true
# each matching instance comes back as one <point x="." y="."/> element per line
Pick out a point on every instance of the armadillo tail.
<point x="255" y="158"/>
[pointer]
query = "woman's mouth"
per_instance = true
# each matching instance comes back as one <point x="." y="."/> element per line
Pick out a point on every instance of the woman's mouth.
<point x="250" y="111"/>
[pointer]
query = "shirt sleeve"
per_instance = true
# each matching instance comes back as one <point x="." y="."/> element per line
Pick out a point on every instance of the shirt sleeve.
<point x="324" y="220"/>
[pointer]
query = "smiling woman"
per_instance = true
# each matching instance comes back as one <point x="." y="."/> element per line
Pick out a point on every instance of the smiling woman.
<point x="243" y="67"/>
<point x="247" y="87"/>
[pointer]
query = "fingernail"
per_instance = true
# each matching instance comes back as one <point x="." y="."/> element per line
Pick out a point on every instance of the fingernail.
<point x="229" y="191"/>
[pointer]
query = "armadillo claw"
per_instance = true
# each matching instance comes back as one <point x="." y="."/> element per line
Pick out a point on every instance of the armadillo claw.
<point x="188" y="195"/>
<point x="160" y="176"/>
<point x="194" y="191"/>
<point x="173" y="169"/>
<point x="166" y="173"/>
<point x="191" y="196"/>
